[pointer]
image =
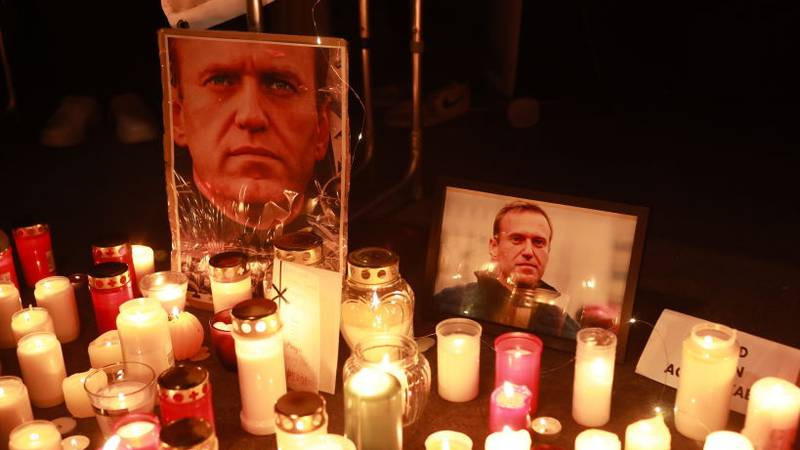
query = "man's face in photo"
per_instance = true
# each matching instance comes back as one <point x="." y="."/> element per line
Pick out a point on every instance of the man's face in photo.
<point x="249" y="115"/>
<point x="521" y="248"/>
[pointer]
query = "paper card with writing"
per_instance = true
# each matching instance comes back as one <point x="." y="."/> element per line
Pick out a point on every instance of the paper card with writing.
<point x="758" y="358"/>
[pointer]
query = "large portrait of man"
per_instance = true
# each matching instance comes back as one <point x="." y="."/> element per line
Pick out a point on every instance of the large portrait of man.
<point x="545" y="267"/>
<point x="256" y="146"/>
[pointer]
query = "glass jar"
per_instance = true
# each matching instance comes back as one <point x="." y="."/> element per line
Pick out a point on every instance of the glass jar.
<point x="35" y="251"/>
<point x="110" y="287"/>
<point x="230" y="279"/>
<point x="138" y="431"/>
<point x="189" y="433"/>
<point x="299" y="415"/>
<point x="185" y="391"/>
<point x="7" y="271"/>
<point x="399" y="356"/>
<point x="116" y="249"/>
<point x="375" y="298"/>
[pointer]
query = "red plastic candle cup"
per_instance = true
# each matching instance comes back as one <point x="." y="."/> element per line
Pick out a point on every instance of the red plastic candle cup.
<point x="222" y="339"/>
<point x="509" y="406"/>
<point x="35" y="251"/>
<point x="116" y="249"/>
<point x="110" y="286"/>
<point x="518" y="359"/>
<point x="138" y="432"/>
<point x="185" y="391"/>
<point x="7" y="271"/>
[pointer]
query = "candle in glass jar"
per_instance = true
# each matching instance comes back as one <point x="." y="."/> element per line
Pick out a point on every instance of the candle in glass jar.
<point x="31" y="320"/>
<point x="143" y="261"/>
<point x="373" y="414"/>
<point x="169" y="288"/>
<point x="458" y="353"/>
<point x="57" y="296"/>
<point x="110" y="287"/>
<point x="10" y="303"/>
<point x="508" y="440"/>
<point x="222" y="339"/>
<point x="448" y="440"/>
<point x="15" y="406"/>
<point x="75" y="396"/>
<point x="42" y="365"/>
<point x="648" y="434"/>
<point x="772" y="414"/>
<point x="105" y="350"/>
<point x="35" y="251"/>
<point x="509" y="406"/>
<point x="35" y="435"/>
<point x="120" y="389"/>
<point x="230" y="279"/>
<point x="361" y="320"/>
<point x="518" y="358"/>
<point x="594" y="376"/>
<point x="597" y="440"/>
<point x="138" y="431"/>
<point x="727" y="440"/>
<point x="144" y="334"/>
<point x="185" y="391"/>
<point x="7" y="271"/>
<point x="299" y="416"/>
<point x="709" y="359"/>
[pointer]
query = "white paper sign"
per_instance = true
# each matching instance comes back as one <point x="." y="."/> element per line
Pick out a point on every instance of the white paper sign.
<point x="309" y="305"/>
<point x="758" y="358"/>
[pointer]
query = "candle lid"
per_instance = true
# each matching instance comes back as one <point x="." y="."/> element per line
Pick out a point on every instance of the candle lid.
<point x="300" y="412"/>
<point x="255" y="318"/>
<point x="373" y="265"/>
<point x="302" y="247"/>
<point x="108" y="275"/>
<point x="228" y="266"/>
<point x="111" y="246"/>
<point x="183" y="383"/>
<point x="31" y="230"/>
<point x="185" y="433"/>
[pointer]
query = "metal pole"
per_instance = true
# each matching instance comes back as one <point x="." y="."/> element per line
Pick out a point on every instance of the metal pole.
<point x="254" y="15"/>
<point x="369" y="130"/>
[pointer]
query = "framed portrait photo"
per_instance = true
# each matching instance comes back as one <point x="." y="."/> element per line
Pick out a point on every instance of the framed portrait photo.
<point x="256" y="146"/>
<point x="544" y="263"/>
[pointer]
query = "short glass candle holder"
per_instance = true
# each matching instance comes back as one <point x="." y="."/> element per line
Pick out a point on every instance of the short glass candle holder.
<point x="36" y="434"/>
<point x="119" y="389"/>
<point x="222" y="339"/>
<point x="138" y="431"/>
<point x="168" y="287"/>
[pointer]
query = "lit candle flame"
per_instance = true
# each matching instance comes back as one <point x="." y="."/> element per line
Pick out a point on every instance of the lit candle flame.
<point x="35" y="436"/>
<point x="446" y="444"/>
<point x="175" y="312"/>
<point x="112" y="443"/>
<point x="708" y="341"/>
<point x="373" y="305"/>
<point x="508" y="389"/>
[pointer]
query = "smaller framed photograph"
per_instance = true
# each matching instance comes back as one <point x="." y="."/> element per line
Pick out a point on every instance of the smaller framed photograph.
<point x="545" y="263"/>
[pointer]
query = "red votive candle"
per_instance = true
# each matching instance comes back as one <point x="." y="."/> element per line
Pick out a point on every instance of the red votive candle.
<point x="7" y="271"/>
<point x="185" y="391"/>
<point x="35" y="251"/>
<point x="222" y="339"/>
<point x="138" y="432"/>
<point x="110" y="286"/>
<point x="116" y="249"/>
<point x="518" y="358"/>
<point x="509" y="406"/>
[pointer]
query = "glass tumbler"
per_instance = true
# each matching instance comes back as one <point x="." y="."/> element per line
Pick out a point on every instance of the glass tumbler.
<point x="119" y="389"/>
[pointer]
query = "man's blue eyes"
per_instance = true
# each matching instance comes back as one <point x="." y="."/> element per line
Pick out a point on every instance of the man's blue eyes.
<point x="269" y="82"/>
<point x="519" y="240"/>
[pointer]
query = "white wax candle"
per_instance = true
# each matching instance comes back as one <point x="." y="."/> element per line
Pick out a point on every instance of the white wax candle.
<point x="297" y="441"/>
<point x="227" y="294"/>
<point x="75" y="396"/>
<point x="105" y="350"/>
<point x="597" y="440"/>
<point x="42" y="365"/>
<point x="57" y="296"/>
<point x="35" y="435"/>
<point x="594" y="376"/>
<point x="31" y="320"/>
<point x="142" y="260"/>
<point x="727" y="440"/>
<point x="144" y="334"/>
<point x="508" y="440"/>
<point x="262" y="381"/>
<point x="169" y="288"/>
<point x="458" y="356"/>
<point x="15" y="406"/>
<point x="9" y="304"/>
<point x="448" y="440"/>
<point x="772" y="414"/>
<point x="329" y="442"/>
<point x="648" y="434"/>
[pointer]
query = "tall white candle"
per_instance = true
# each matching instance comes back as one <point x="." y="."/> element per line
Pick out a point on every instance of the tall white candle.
<point x="42" y="365"/>
<point x="594" y="376"/>
<point x="597" y="440"/>
<point x="57" y="296"/>
<point x="508" y="440"/>
<point x="35" y="435"/>
<point x="772" y="414"/>
<point x="708" y="368"/>
<point x="31" y="320"/>
<point x="727" y="440"/>
<point x="458" y="356"/>
<point x="648" y="434"/>
<point x="9" y="304"/>
<point x="143" y="263"/>
<point x="105" y="350"/>
<point x="15" y="406"/>
<point x="229" y="274"/>
<point x="144" y="334"/>
<point x="75" y="395"/>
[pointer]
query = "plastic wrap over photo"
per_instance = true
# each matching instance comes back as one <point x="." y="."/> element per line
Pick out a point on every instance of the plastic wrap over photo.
<point x="256" y="147"/>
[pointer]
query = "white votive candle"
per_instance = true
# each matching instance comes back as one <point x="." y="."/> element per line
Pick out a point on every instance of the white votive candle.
<point x="594" y="376"/>
<point x="727" y="440"/>
<point x="57" y="296"/>
<point x="35" y="435"/>
<point x="458" y="356"/>
<point x="648" y="434"/>
<point x="772" y="414"/>
<point x="230" y="279"/>
<point x="31" y="320"/>
<point x="508" y="440"/>
<point x="105" y="350"/>
<point x="168" y="287"/>
<point x="597" y="440"/>
<point x="144" y="334"/>
<point x="448" y="440"/>
<point x="42" y="365"/>
<point x="75" y="396"/>
<point x="143" y="263"/>
<point x="15" y="406"/>
<point x="10" y="303"/>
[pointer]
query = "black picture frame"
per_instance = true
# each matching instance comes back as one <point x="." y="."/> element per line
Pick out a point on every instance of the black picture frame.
<point x="557" y="206"/>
